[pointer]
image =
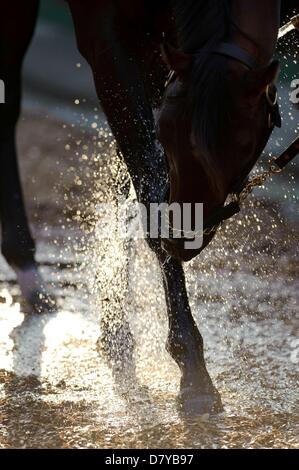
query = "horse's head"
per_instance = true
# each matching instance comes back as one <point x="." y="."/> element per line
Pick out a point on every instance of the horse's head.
<point x="214" y="122"/>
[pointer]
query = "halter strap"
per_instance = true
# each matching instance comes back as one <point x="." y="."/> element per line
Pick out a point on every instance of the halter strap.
<point x="234" y="51"/>
<point x="228" y="49"/>
<point x="288" y="155"/>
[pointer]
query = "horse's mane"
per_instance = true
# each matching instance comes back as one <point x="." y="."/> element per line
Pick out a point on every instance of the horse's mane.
<point x="200" y="26"/>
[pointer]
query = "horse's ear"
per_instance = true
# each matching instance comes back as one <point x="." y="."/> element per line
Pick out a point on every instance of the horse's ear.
<point x="258" y="79"/>
<point x="176" y="60"/>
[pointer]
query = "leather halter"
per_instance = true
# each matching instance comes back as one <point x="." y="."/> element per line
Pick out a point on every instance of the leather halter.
<point x="234" y="51"/>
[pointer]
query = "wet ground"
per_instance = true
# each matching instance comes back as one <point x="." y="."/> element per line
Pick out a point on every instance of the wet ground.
<point x="55" y="388"/>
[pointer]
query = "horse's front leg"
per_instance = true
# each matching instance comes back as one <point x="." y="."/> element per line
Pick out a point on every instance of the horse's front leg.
<point x="17" y="244"/>
<point x="109" y="47"/>
<point x="121" y="91"/>
<point x="185" y="343"/>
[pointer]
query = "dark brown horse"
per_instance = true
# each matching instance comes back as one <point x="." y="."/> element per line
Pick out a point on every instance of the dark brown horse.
<point x="213" y="124"/>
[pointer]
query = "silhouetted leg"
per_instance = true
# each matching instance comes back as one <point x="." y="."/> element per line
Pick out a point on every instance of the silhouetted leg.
<point x="16" y="29"/>
<point x="121" y="92"/>
<point x="116" y="342"/>
<point x="185" y="344"/>
<point x="122" y="95"/>
<point x="132" y="135"/>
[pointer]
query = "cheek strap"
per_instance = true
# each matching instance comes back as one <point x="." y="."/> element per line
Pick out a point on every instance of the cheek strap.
<point x="236" y="52"/>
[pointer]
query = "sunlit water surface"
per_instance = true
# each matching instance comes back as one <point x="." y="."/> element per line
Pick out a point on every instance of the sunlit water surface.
<point x="56" y="390"/>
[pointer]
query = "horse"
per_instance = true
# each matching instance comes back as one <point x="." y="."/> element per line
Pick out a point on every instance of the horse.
<point x="213" y="124"/>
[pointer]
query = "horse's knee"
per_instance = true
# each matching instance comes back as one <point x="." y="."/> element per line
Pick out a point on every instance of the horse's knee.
<point x="96" y="50"/>
<point x="84" y="46"/>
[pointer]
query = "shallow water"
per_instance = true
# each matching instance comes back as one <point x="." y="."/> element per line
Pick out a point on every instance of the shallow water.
<point x="57" y="391"/>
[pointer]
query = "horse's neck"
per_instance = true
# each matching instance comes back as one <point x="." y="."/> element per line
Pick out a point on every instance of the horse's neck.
<point x="253" y="25"/>
<point x="199" y="21"/>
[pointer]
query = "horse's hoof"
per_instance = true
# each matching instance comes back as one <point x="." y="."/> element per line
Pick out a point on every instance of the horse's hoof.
<point x="194" y="403"/>
<point x="34" y="292"/>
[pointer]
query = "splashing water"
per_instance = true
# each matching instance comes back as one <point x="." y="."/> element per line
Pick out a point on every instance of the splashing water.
<point x="57" y="388"/>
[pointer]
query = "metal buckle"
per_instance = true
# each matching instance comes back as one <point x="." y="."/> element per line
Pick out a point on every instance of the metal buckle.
<point x="169" y="78"/>
<point x="272" y="102"/>
<point x="273" y="168"/>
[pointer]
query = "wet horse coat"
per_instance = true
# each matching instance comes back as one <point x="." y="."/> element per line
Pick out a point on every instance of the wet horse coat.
<point x="121" y="42"/>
